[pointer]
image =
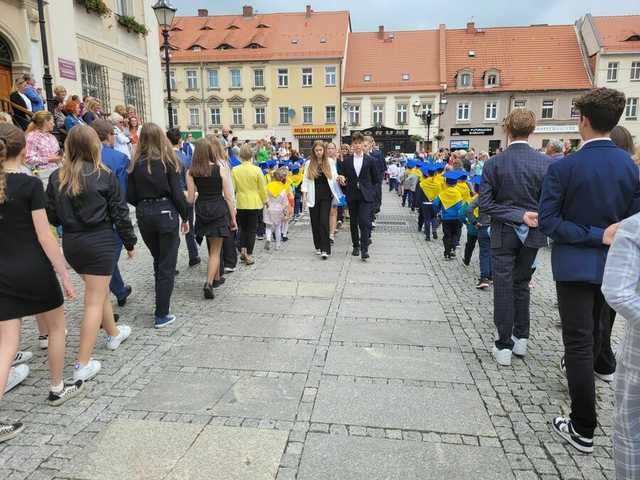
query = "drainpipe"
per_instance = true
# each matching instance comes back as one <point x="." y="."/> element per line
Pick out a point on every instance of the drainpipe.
<point x="204" y="106"/>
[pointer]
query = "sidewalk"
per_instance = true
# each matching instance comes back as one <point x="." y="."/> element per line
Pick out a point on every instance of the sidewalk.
<point x="312" y="370"/>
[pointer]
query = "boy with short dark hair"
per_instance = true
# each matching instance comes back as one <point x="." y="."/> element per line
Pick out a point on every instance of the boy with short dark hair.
<point x="449" y="200"/>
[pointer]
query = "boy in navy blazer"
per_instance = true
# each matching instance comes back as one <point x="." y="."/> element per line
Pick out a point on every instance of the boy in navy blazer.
<point x="584" y="197"/>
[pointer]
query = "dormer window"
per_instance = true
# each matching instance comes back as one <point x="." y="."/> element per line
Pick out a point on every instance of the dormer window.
<point x="323" y="39"/>
<point x="233" y="27"/>
<point x="196" y="48"/>
<point x="224" y="46"/>
<point x="254" y="45"/>
<point x="464" y="79"/>
<point x="491" y="78"/>
<point x="405" y="76"/>
<point x="262" y="25"/>
<point x="633" y="38"/>
<point x="367" y="77"/>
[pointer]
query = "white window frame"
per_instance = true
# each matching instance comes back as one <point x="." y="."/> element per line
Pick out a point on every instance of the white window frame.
<point x="172" y="80"/>
<point x="260" y="115"/>
<point x="520" y="100"/>
<point x="231" y="77"/>
<point x="491" y="107"/>
<point x="330" y="119"/>
<point x="283" y="77"/>
<point x="256" y="76"/>
<point x="546" y="108"/>
<point x="192" y="80"/>
<point x="354" y="114"/>
<point x="330" y="75"/>
<point x="612" y="71"/>
<point x="237" y="114"/>
<point x="634" y="74"/>
<point x="307" y="77"/>
<point x="377" y="111"/>
<point x="574" y="113"/>
<point x="174" y="114"/>
<point x="194" y="116"/>
<point x="307" y="114"/>
<point x="283" y="114"/>
<point x="460" y="107"/>
<point x="402" y="113"/>
<point x="494" y="76"/>
<point x="631" y="108"/>
<point x="215" y="113"/>
<point x="124" y="8"/>
<point x="213" y="74"/>
<point x="425" y="107"/>
<point x="463" y="75"/>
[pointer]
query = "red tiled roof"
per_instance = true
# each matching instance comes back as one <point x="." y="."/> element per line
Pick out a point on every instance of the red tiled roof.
<point x="527" y="58"/>
<point x="386" y="60"/>
<point x="614" y="32"/>
<point x="282" y="36"/>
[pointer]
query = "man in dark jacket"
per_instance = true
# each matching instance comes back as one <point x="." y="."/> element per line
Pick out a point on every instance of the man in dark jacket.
<point x="584" y="197"/>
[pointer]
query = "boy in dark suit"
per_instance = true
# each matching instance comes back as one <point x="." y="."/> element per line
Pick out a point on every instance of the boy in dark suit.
<point x="581" y="212"/>
<point x="360" y="178"/>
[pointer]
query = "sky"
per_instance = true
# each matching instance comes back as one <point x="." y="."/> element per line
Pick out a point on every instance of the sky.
<point x="366" y="15"/>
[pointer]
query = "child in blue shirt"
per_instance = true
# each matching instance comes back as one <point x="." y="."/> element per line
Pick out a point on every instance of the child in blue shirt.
<point x="449" y="202"/>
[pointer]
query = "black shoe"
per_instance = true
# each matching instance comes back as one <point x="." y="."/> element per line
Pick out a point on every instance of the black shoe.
<point x="364" y="255"/>
<point x="453" y="254"/>
<point x="194" y="261"/>
<point x="370" y="241"/>
<point x="466" y="262"/>
<point x="285" y="238"/>
<point x="208" y="292"/>
<point x="177" y="272"/>
<point x="217" y="283"/>
<point x="435" y="236"/>
<point x="427" y="239"/>
<point x="127" y="291"/>
<point x="564" y="427"/>
<point x="69" y="391"/>
<point x="355" y="252"/>
<point x="116" y="317"/>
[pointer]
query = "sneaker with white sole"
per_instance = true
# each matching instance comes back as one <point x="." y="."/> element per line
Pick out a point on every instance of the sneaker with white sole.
<point x="564" y="427"/>
<point x="123" y="333"/>
<point x="22" y="357"/>
<point x="519" y="346"/>
<point x="605" y="377"/>
<point x="229" y="269"/>
<point x="563" y="366"/>
<point x="17" y="375"/>
<point x="502" y="356"/>
<point x="10" y="430"/>
<point x="43" y="342"/>
<point x="86" y="372"/>
<point x="69" y="390"/>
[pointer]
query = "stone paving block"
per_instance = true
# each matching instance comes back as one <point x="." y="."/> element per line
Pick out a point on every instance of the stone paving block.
<point x="327" y="457"/>
<point x="382" y="268"/>
<point x="393" y="332"/>
<point x="389" y="293"/>
<point x="402" y="279"/>
<point x="225" y="453"/>
<point x="310" y="306"/>
<point x="268" y="287"/>
<point x="254" y="304"/>
<point x="185" y="393"/>
<point x="430" y="365"/>
<point x="264" y="356"/>
<point x="135" y="450"/>
<point x="274" y="327"/>
<point x="411" y="408"/>
<point x="382" y="309"/>
<point x="316" y="289"/>
<point x="262" y="397"/>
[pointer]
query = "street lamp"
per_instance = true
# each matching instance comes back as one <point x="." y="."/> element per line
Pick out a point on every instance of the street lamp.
<point x="426" y="117"/>
<point x="165" y="13"/>
<point x="47" y="79"/>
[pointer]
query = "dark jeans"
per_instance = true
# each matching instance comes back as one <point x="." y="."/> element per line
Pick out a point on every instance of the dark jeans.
<point x="393" y="184"/>
<point x="428" y="219"/>
<point x="511" y="269"/>
<point x="408" y="197"/>
<point x="190" y="238"/>
<point x="470" y="246"/>
<point x="341" y="214"/>
<point x="360" y="214"/>
<point x="260" y="227"/>
<point x="586" y="322"/>
<point x="158" y="222"/>
<point x="116" y="285"/>
<point x="248" y="223"/>
<point x="319" y="215"/>
<point x="297" y="203"/>
<point x="484" y="240"/>
<point x="450" y="231"/>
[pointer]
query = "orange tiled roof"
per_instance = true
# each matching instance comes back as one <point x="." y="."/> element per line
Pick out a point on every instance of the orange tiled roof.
<point x="614" y="32"/>
<point x="386" y="60"/>
<point x="527" y="58"/>
<point x="276" y="36"/>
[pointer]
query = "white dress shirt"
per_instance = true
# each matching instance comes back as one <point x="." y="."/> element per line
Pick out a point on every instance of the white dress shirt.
<point x="357" y="164"/>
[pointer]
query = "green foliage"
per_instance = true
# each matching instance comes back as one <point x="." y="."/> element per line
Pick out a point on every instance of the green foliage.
<point x="95" y="6"/>
<point x="132" y="25"/>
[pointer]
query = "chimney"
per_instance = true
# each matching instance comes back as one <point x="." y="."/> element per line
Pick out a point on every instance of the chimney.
<point x="247" y="11"/>
<point x="471" y="27"/>
<point x="203" y="12"/>
<point x="381" y="32"/>
<point x="308" y="11"/>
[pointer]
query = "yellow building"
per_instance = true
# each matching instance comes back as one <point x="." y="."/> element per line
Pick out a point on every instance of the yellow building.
<point x="261" y="75"/>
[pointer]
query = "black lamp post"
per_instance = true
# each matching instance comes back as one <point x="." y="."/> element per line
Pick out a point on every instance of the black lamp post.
<point x="47" y="79"/>
<point x="426" y="117"/>
<point x="165" y="13"/>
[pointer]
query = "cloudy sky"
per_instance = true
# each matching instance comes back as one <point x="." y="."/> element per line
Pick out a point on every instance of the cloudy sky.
<point x="366" y="15"/>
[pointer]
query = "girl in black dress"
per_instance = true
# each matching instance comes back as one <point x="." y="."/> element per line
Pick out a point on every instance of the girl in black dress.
<point x="84" y="197"/>
<point x="215" y="209"/>
<point x="29" y="260"/>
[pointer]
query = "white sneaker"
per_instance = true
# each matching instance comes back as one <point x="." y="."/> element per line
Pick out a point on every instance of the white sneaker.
<point x="22" y="357"/>
<point x="318" y="252"/>
<point x="502" y="356"/>
<point x="324" y="255"/>
<point x="123" y="333"/>
<point x="519" y="346"/>
<point x="86" y="372"/>
<point x="605" y="377"/>
<point x="229" y="270"/>
<point x="17" y="375"/>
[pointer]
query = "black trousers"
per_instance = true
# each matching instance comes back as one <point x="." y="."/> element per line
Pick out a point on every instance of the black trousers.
<point x="586" y="330"/>
<point x="158" y="223"/>
<point x="378" y="197"/>
<point x="247" y="223"/>
<point x="450" y="231"/>
<point x="190" y="238"/>
<point x="360" y="214"/>
<point x="428" y="219"/>
<point x="229" y="252"/>
<point x="469" y="247"/>
<point x="319" y="216"/>
<point x="511" y="269"/>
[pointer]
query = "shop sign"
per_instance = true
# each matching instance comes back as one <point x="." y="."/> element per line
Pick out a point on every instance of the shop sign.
<point x="67" y="69"/>
<point x="458" y="144"/>
<point x="465" y="131"/>
<point x="556" y="129"/>
<point x="324" y="131"/>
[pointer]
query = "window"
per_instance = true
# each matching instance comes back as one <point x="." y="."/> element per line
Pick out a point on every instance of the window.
<point x="366" y="77"/>
<point x="378" y="114"/>
<point x="283" y="77"/>
<point x="95" y="82"/>
<point x="214" y="81"/>
<point x="134" y="93"/>
<point x="307" y="77"/>
<point x="194" y="117"/>
<point x="635" y="71"/>
<point x="330" y="76"/>
<point x="574" y="111"/>
<point x="426" y="107"/>
<point x="330" y="114"/>
<point x="405" y="76"/>
<point x="491" y="111"/>
<point x="172" y="80"/>
<point x="123" y="8"/>
<point x="235" y="79"/>
<point x="236" y="114"/>
<point x="401" y="114"/>
<point x="354" y="114"/>
<point x="261" y="116"/>
<point x="631" y="111"/>
<point x="258" y="78"/>
<point x="547" y="109"/>
<point x="464" y="80"/>
<point x="192" y="79"/>
<point x="196" y="48"/>
<point x="612" y="72"/>
<point x="519" y="103"/>
<point x="463" y="112"/>
<point x="214" y="116"/>
<point x="307" y="114"/>
<point x="283" y="115"/>
<point x="492" y="80"/>
<point x="174" y="115"/>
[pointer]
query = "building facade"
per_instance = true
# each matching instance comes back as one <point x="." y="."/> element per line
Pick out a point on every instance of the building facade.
<point x="90" y="51"/>
<point x="612" y="48"/>
<point x="261" y="75"/>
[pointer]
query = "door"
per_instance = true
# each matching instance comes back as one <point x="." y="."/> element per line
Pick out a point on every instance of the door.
<point x="5" y="81"/>
<point x="494" y="145"/>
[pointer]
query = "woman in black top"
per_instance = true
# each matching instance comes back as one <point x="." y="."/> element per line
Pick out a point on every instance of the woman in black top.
<point x="84" y="197"/>
<point x="215" y="211"/>
<point x="154" y="189"/>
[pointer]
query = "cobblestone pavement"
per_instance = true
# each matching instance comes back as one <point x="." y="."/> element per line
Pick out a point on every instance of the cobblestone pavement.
<point x="312" y="370"/>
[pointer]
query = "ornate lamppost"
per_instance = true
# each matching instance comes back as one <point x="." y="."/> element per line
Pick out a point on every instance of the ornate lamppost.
<point x="47" y="79"/>
<point x="428" y="116"/>
<point x="165" y="13"/>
